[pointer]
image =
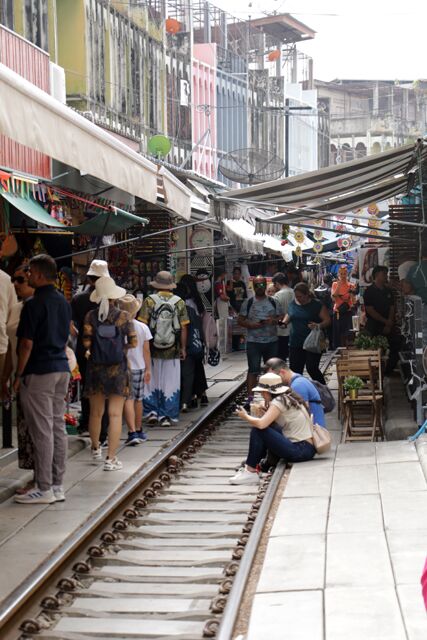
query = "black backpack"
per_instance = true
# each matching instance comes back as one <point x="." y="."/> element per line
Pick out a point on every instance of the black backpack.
<point x="107" y="344"/>
<point x="195" y="343"/>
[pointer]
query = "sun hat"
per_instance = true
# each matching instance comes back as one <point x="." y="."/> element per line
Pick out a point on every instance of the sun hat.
<point x="105" y="290"/>
<point x="163" y="281"/>
<point x="130" y="304"/>
<point x="98" y="268"/>
<point x="272" y="383"/>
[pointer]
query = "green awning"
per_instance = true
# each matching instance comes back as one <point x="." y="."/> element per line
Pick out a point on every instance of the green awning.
<point x="104" y="224"/>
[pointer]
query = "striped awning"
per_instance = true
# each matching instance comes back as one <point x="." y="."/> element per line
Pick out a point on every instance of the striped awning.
<point x="338" y="188"/>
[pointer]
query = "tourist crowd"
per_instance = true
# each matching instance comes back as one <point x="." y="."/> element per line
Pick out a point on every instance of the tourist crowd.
<point x="146" y="358"/>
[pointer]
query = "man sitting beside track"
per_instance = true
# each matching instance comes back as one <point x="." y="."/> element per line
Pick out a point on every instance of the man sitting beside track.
<point x="300" y="385"/>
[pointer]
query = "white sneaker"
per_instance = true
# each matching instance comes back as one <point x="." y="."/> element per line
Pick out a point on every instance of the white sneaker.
<point x="152" y="419"/>
<point x="112" y="465"/>
<point x="96" y="454"/>
<point x="243" y="476"/>
<point x="36" y="496"/>
<point x="58" y="492"/>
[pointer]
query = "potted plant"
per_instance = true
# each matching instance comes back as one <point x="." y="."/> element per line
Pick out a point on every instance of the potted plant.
<point x="352" y="384"/>
<point x="368" y="343"/>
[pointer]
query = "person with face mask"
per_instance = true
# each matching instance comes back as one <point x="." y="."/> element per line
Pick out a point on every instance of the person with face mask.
<point x="260" y="316"/>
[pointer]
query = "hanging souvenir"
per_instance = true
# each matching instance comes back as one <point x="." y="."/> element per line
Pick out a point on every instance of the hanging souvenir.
<point x="274" y="55"/>
<point x="299" y="236"/>
<point x="374" y="232"/>
<point x="341" y="218"/>
<point x="355" y="223"/>
<point x="341" y="228"/>
<point x="285" y="231"/>
<point x="318" y="235"/>
<point x="318" y="247"/>
<point x="374" y="223"/>
<point x="298" y="251"/>
<point x="318" y="222"/>
<point x="373" y="209"/>
<point x="344" y="243"/>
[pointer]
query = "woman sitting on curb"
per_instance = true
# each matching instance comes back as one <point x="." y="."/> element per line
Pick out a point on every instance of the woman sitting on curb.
<point x="284" y="428"/>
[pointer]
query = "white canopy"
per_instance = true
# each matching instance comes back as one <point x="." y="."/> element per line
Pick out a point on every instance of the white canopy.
<point x="35" y="119"/>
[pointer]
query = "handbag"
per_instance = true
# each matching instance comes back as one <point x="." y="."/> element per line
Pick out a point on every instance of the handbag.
<point x="322" y="439"/>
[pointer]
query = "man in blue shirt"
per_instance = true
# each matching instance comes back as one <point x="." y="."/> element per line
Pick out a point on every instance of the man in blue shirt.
<point x="42" y="377"/>
<point x="302" y="386"/>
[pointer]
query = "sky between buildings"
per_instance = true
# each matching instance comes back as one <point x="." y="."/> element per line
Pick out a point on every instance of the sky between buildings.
<point x="363" y="39"/>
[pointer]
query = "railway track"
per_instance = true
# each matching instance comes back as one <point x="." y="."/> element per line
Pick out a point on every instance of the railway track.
<point x="167" y="559"/>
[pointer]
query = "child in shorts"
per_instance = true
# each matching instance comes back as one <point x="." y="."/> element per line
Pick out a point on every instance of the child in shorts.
<point x="139" y="360"/>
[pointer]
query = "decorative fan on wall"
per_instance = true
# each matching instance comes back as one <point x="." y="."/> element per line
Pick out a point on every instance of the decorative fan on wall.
<point x="251" y="166"/>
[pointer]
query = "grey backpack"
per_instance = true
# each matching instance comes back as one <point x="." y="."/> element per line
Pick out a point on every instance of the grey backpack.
<point x="164" y="322"/>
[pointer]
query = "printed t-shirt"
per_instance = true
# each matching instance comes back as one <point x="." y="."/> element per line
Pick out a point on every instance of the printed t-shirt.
<point x="381" y="300"/>
<point x="237" y="294"/>
<point x="136" y="355"/>
<point x="261" y="309"/>
<point x="300" y="315"/>
<point x="308" y="392"/>
<point x="343" y="291"/>
<point x="145" y="314"/>
<point x="295" y="422"/>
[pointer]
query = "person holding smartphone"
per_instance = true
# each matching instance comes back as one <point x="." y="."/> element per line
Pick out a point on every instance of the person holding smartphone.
<point x="260" y="316"/>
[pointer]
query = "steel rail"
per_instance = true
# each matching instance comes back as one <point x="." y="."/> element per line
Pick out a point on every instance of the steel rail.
<point x="235" y="597"/>
<point x="234" y="600"/>
<point x="14" y="603"/>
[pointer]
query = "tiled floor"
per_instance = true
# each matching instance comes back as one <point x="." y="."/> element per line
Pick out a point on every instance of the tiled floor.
<point x="347" y="548"/>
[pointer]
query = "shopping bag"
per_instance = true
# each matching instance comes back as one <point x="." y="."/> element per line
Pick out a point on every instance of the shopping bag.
<point x="315" y="342"/>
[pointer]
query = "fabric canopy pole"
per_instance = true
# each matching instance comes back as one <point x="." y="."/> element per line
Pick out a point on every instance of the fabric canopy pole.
<point x="35" y="119"/>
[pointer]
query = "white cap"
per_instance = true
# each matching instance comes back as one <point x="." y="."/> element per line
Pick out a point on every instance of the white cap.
<point x="98" y="268"/>
<point x="403" y="269"/>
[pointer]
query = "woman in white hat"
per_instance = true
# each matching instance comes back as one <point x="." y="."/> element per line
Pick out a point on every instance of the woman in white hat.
<point x="284" y="429"/>
<point x="107" y="335"/>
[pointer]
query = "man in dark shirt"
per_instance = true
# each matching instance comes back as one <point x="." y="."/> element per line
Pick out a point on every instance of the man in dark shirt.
<point x="80" y="306"/>
<point x="42" y="377"/>
<point x="380" y="312"/>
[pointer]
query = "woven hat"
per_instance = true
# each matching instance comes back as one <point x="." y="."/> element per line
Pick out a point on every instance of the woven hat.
<point x="130" y="304"/>
<point x="105" y="290"/>
<point x="98" y="268"/>
<point x="272" y="383"/>
<point x="163" y="281"/>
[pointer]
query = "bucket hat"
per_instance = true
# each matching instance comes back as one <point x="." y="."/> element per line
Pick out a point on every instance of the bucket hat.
<point x="272" y="383"/>
<point x="98" y="268"/>
<point x="163" y="281"/>
<point x="106" y="288"/>
<point x="130" y="304"/>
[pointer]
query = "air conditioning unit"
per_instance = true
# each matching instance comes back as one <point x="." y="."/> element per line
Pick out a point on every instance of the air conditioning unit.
<point x="57" y="82"/>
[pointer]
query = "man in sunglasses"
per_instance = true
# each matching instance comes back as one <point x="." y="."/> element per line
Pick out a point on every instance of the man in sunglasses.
<point x="260" y="316"/>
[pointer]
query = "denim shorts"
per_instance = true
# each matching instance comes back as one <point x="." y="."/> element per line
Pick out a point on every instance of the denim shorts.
<point x="256" y="351"/>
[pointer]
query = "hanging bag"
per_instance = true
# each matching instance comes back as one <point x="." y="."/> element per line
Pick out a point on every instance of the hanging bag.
<point x="322" y="440"/>
<point x="315" y="342"/>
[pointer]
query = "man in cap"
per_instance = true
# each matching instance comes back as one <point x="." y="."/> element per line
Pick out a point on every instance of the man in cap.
<point x="259" y="315"/>
<point x="80" y="306"/>
<point x="166" y="316"/>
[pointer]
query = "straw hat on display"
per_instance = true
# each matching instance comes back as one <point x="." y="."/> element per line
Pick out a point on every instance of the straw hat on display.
<point x="98" y="269"/>
<point x="105" y="290"/>
<point x="130" y="304"/>
<point x="272" y="383"/>
<point x="163" y="281"/>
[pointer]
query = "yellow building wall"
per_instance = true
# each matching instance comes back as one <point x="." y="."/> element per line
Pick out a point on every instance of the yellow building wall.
<point x="71" y="29"/>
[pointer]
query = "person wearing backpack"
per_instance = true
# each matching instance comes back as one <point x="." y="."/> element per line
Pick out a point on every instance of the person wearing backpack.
<point x="193" y="377"/>
<point x="167" y="318"/>
<point x="108" y="333"/>
<point x="259" y="315"/>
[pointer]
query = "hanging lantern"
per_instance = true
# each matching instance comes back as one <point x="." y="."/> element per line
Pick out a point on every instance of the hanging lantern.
<point x="318" y="235"/>
<point x="274" y="55"/>
<point x="173" y="26"/>
<point x="299" y="236"/>
<point x="318" y="247"/>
